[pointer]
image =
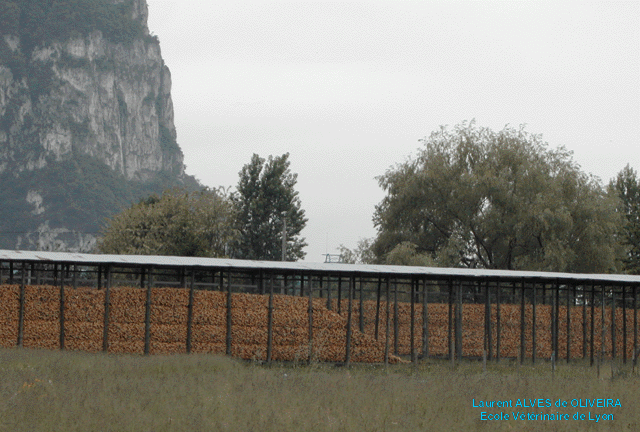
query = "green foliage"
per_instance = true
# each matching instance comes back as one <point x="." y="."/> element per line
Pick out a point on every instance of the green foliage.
<point x="627" y="187"/>
<point x="168" y="142"/>
<point x="179" y="223"/>
<point x="406" y="254"/>
<point x="265" y="194"/>
<point x="38" y="21"/>
<point x="78" y="194"/>
<point x="40" y="79"/>
<point x="478" y="198"/>
<point x="362" y="254"/>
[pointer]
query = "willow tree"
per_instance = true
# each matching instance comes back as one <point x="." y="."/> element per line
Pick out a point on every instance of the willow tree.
<point x="474" y="197"/>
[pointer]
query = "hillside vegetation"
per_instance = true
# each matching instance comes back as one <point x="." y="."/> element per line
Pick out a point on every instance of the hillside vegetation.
<point x="38" y="21"/>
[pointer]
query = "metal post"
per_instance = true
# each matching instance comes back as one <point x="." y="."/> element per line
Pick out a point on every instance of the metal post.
<point x="593" y="312"/>
<point x="487" y="322"/>
<point x="602" y="343"/>
<point x="533" y="328"/>
<point x="459" y="322"/>
<point x="425" y="320"/>
<point x="190" y="310"/>
<point x="396" y="317"/>
<point x="557" y="321"/>
<point x="498" y="289"/>
<point x="107" y="306"/>
<point x="635" y="324"/>
<point x="522" y="323"/>
<point x="347" y="359"/>
<point x="361" y="309"/>
<point x="378" y="295"/>
<point x="624" y="325"/>
<point x="584" y="323"/>
<point x="270" y="321"/>
<point x="339" y="294"/>
<point x="613" y="323"/>
<point x="147" y="317"/>
<point x="229" y="315"/>
<point x="413" y="318"/>
<point x="450" y="334"/>
<point x="21" y="310"/>
<point x="388" y="323"/>
<point x="62" y="301"/>
<point x="568" y="323"/>
<point x="310" y="314"/>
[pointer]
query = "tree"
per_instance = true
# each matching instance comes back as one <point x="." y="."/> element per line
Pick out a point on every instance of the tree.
<point x="499" y="200"/>
<point x="627" y="187"/>
<point x="407" y="254"/>
<point x="362" y="254"/>
<point x="265" y="199"/>
<point x="178" y="223"/>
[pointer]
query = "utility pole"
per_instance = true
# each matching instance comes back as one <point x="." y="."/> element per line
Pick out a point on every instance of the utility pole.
<point x="284" y="236"/>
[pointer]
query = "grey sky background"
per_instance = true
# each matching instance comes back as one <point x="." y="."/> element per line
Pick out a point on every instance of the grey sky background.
<point x="348" y="88"/>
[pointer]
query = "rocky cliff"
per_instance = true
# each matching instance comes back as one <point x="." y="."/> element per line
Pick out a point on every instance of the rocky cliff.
<point x="86" y="120"/>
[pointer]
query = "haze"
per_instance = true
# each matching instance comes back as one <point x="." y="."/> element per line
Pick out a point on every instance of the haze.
<point x="349" y="88"/>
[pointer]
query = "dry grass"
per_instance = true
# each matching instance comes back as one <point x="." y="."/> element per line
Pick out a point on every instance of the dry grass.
<point x="70" y="391"/>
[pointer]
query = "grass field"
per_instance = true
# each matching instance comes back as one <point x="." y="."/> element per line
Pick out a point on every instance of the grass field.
<point x="71" y="391"/>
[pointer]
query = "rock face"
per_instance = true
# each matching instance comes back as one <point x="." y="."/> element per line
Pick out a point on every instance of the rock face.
<point x="87" y="98"/>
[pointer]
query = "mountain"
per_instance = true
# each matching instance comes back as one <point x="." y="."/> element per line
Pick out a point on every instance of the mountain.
<point x="86" y="119"/>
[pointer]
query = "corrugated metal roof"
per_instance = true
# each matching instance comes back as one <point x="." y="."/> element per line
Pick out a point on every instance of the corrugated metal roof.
<point x="305" y="267"/>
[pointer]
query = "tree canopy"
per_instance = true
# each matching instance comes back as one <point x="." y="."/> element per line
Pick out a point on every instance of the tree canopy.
<point x="474" y="197"/>
<point x="362" y="254"/>
<point x="627" y="187"/>
<point x="265" y="198"/>
<point x="177" y="223"/>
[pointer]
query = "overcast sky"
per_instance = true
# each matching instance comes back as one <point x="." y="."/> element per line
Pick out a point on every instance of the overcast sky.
<point x="348" y="88"/>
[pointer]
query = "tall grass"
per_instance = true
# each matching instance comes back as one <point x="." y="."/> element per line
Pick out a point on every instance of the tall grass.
<point x="72" y="391"/>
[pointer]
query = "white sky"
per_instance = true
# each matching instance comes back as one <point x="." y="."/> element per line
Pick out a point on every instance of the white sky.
<point x="348" y="88"/>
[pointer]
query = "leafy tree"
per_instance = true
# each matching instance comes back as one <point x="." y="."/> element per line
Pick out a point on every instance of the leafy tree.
<point x="501" y="200"/>
<point x="266" y="195"/>
<point x="627" y="187"/>
<point x="362" y="254"/>
<point x="178" y="223"/>
<point x="407" y="254"/>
